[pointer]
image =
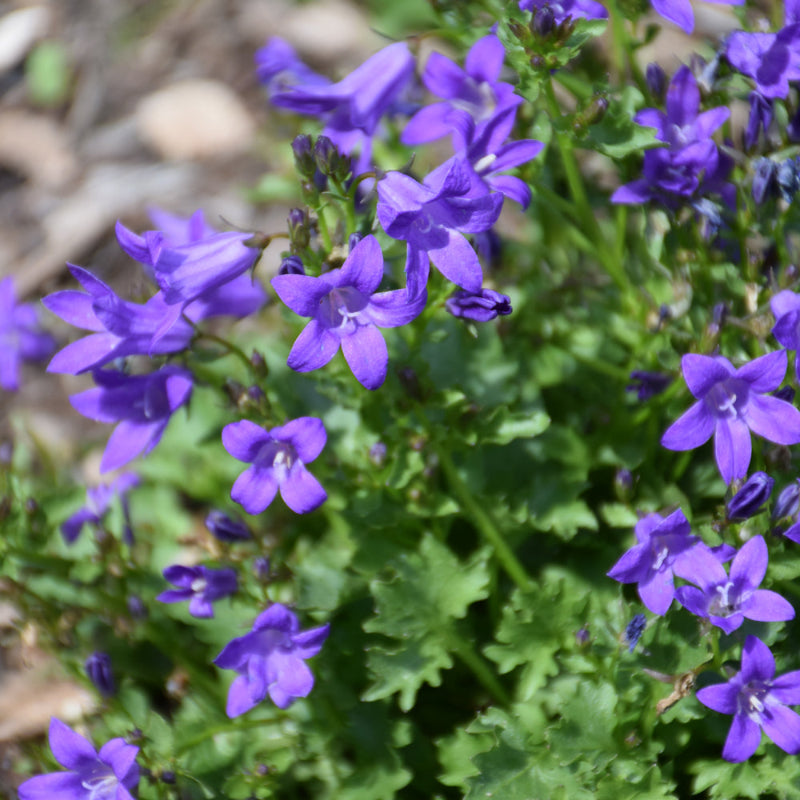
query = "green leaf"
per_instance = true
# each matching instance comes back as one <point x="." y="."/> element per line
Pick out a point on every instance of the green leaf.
<point x="505" y="426"/>
<point x="418" y="607"/>
<point x="617" y="135"/>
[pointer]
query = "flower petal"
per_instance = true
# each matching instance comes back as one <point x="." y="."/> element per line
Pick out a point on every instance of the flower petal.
<point x="301" y="491"/>
<point x="772" y="418"/>
<point x="732" y="448"/>
<point x="313" y="348"/>
<point x="306" y="434"/>
<point x="366" y="354"/>
<point x="743" y="739"/>
<point x="782" y="725"/>
<point x="244" y="439"/>
<point x="765" y="373"/>
<point x="702" y="372"/>
<point x="254" y="489"/>
<point x="764" y="605"/>
<point x="692" y="429"/>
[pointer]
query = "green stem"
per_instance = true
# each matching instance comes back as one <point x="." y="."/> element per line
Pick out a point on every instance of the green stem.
<point x="484" y="523"/>
<point x="225" y="727"/>
<point x="322" y="224"/>
<point x="480" y="669"/>
<point x="230" y="347"/>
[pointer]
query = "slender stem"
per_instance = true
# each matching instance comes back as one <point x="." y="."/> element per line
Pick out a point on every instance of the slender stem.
<point x="484" y="523"/>
<point x="230" y="347"/>
<point x="225" y="727"/>
<point x="480" y="669"/>
<point x="322" y="224"/>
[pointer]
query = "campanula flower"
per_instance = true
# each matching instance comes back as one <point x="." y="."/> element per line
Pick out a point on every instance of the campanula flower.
<point x="200" y="585"/>
<point x="727" y="600"/>
<point x="470" y="96"/>
<point x="278" y="457"/>
<point x="662" y="542"/>
<point x="111" y="774"/>
<point x="271" y="660"/>
<point x="98" y="504"/>
<point x="346" y="310"/>
<point x="21" y="337"/>
<point x="98" y="668"/>
<point x="141" y="404"/>
<point x="680" y="12"/>
<point x="731" y="403"/>
<point x="432" y="217"/>
<point x="758" y="701"/>
<point x="226" y="528"/>
<point x="747" y="502"/>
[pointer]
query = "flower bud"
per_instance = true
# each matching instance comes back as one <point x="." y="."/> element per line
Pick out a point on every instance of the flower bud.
<point x="299" y="228"/>
<point x="765" y="183"/>
<point x="259" y="364"/>
<point x="748" y="500"/>
<point x="136" y="608"/>
<point x="479" y="307"/>
<point x="291" y="265"/>
<point x="788" y="502"/>
<point x="377" y="454"/>
<point x="353" y="240"/>
<point x="543" y="22"/>
<point x="656" y="81"/>
<point x="582" y="636"/>
<point x="648" y="384"/>
<point x="788" y="179"/>
<point x="303" y="156"/>
<point x="98" y="668"/>
<point x="786" y="393"/>
<point x="634" y="630"/>
<point x="226" y="528"/>
<point x="329" y="160"/>
<point x="261" y="568"/>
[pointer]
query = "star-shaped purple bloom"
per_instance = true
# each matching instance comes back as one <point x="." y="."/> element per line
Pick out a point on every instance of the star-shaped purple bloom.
<point x="271" y="660"/>
<point x="200" y="585"/>
<point x="662" y="543"/>
<point x="432" y="217"/>
<point x="346" y="310"/>
<point x="21" y="336"/>
<point x="98" y="502"/>
<point x="141" y="404"/>
<point x="757" y="700"/>
<point x="728" y="600"/>
<point x="111" y="774"/>
<point x="680" y="11"/>
<point x="731" y="403"/>
<point x="278" y="457"/>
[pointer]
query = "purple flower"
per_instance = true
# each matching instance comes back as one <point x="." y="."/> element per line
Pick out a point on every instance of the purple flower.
<point x="111" y="774"/>
<point x="472" y="95"/>
<point x="788" y="502"/>
<point x="747" y="502"/>
<point x="727" y="600"/>
<point x="785" y="307"/>
<point x="691" y="164"/>
<point x="271" y="660"/>
<point x="731" y="403"/>
<point x="200" y="585"/>
<point x="226" y="528"/>
<point x="648" y="384"/>
<point x="141" y="404"/>
<point x="98" y="503"/>
<point x="566" y="9"/>
<point x="346" y="310"/>
<point x="351" y="108"/>
<point x="432" y="218"/>
<point x="278" y="457"/>
<point x="680" y="12"/>
<point x="98" y="668"/>
<point x="662" y="543"/>
<point x="21" y="337"/>
<point x="757" y="700"/>
<point x="479" y="307"/>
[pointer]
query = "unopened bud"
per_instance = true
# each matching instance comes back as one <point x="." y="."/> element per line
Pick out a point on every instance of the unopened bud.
<point x="304" y="156"/>
<point x="747" y="502"/>
<point x="98" y="668"/>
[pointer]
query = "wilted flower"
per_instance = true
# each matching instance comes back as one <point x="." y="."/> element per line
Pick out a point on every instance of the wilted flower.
<point x="111" y="774"/>
<point x="271" y="660"/>
<point x="758" y="701"/>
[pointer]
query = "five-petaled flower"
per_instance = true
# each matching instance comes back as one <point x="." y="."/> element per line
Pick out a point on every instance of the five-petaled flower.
<point x="271" y="660"/>
<point x="111" y="774"/>
<point x="731" y="403"/>
<point x="346" y="310"/>
<point x="726" y="600"/>
<point x="200" y="585"/>
<point x="757" y="700"/>
<point x="278" y="457"/>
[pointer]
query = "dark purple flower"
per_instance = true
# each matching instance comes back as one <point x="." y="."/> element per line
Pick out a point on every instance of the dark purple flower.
<point x="747" y="502"/>
<point x="98" y="668"/>
<point x="21" y="336"/>
<point x="648" y="384"/>
<point x="471" y="96"/>
<point x="634" y="630"/>
<point x="141" y="404"/>
<point x="200" y="585"/>
<point x="731" y="403"/>
<point x="226" y="528"/>
<point x="278" y="457"/>
<point x="691" y="164"/>
<point x="680" y="12"/>
<point x="98" y="504"/>
<point x="346" y="310"/>
<point x="662" y="542"/>
<point x="727" y="600"/>
<point x="479" y="307"/>
<point x="111" y="774"/>
<point x="757" y="700"/>
<point x="271" y="660"/>
<point x="760" y="118"/>
<point x="432" y="217"/>
<point x="566" y="9"/>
